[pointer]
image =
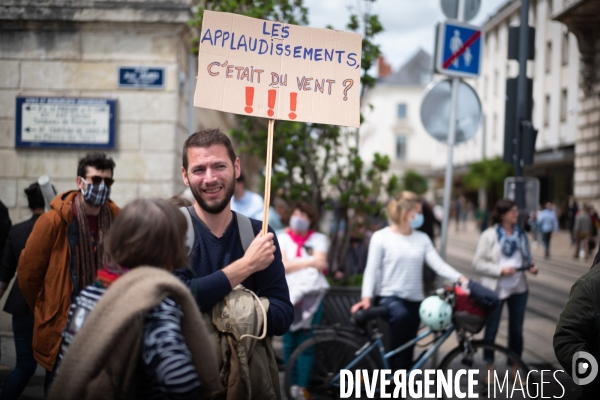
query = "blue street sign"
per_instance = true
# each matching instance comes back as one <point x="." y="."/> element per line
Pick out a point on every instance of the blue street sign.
<point x="142" y="77"/>
<point x="65" y="122"/>
<point x="459" y="49"/>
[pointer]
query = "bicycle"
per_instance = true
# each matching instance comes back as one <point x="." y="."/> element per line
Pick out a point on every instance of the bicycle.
<point x="322" y="357"/>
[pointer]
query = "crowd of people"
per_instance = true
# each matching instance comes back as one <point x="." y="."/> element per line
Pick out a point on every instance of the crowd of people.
<point x="180" y="298"/>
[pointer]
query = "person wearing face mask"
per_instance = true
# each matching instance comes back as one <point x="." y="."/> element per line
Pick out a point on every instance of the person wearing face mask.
<point x="394" y="273"/>
<point x="63" y="253"/>
<point x="304" y="255"/>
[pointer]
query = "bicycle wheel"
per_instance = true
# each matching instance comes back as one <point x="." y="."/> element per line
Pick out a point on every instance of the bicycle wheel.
<point x="318" y="360"/>
<point x="508" y="379"/>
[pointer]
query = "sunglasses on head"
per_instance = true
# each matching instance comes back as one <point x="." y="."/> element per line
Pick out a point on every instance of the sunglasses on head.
<point x="96" y="180"/>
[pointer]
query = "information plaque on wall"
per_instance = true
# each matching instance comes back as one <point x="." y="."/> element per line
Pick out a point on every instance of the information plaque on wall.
<point x="65" y="122"/>
<point x="142" y="77"/>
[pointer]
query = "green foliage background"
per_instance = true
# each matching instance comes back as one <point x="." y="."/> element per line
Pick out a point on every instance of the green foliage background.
<point x="415" y="182"/>
<point x="488" y="174"/>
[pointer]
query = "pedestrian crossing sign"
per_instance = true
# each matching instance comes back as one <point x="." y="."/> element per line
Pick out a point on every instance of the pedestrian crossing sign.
<point x="459" y="49"/>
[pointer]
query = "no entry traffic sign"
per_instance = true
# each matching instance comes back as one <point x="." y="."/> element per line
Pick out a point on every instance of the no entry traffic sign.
<point x="459" y="49"/>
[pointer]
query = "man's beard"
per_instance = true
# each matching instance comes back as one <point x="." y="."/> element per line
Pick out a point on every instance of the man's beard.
<point x="217" y="206"/>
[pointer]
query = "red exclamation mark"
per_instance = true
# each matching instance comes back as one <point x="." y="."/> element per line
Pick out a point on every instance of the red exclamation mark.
<point x="272" y="96"/>
<point x="293" y="96"/>
<point x="249" y="99"/>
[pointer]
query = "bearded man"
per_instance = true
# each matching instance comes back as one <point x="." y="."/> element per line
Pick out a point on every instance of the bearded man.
<point x="217" y="259"/>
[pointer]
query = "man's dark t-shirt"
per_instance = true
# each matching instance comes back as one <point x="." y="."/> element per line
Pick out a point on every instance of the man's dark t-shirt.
<point x="210" y="285"/>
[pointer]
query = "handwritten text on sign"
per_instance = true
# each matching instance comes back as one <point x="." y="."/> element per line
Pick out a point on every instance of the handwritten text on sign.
<point x="275" y="70"/>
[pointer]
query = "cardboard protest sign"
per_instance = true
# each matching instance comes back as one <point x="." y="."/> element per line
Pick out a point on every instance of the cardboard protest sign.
<point x="279" y="71"/>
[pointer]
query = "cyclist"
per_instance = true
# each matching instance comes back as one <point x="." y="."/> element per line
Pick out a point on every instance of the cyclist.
<point x="393" y="276"/>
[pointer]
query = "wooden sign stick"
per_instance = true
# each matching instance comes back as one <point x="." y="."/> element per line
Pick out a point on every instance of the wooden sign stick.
<point x="269" y="166"/>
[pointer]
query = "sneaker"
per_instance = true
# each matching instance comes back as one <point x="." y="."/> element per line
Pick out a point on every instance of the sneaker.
<point x="294" y="392"/>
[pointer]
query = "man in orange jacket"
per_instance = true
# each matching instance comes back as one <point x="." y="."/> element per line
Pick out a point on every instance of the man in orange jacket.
<point x="63" y="252"/>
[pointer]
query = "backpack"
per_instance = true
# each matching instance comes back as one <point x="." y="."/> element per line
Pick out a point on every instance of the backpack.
<point x="244" y="227"/>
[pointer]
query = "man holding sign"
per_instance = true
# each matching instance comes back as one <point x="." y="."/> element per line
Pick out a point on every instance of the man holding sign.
<point x="263" y="69"/>
<point x="227" y="251"/>
<point x="210" y="168"/>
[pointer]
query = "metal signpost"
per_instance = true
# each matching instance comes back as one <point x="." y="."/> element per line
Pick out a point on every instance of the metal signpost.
<point x="519" y="134"/>
<point x="458" y="54"/>
<point x="520" y="119"/>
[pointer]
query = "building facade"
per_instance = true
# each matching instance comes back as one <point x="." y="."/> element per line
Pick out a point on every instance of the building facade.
<point x="556" y="98"/>
<point x="392" y="124"/>
<point x="73" y="49"/>
<point x="582" y="19"/>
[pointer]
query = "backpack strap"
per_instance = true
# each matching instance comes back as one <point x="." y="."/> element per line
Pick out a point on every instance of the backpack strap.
<point x="245" y="230"/>
<point x="190" y="236"/>
<point x="244" y="226"/>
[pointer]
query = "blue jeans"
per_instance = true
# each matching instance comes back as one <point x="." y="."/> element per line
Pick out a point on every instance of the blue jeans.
<point x="26" y="364"/>
<point x="546" y="236"/>
<point x="404" y="320"/>
<point x="517" y="303"/>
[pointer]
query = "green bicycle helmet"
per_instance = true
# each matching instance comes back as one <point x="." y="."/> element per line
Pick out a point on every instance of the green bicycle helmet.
<point x="435" y="313"/>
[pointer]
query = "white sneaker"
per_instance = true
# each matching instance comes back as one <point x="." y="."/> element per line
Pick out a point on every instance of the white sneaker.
<point x="294" y="392"/>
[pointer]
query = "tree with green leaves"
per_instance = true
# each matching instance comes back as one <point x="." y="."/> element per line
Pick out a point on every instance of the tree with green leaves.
<point x="316" y="163"/>
<point x="488" y="174"/>
<point x="415" y="182"/>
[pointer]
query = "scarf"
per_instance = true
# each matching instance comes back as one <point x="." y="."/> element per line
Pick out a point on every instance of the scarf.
<point x="91" y="252"/>
<point x="509" y="244"/>
<point x="299" y="240"/>
<point x="107" y="275"/>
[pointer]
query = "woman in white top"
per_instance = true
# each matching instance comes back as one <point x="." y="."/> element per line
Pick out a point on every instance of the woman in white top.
<point x="394" y="273"/>
<point x="304" y="255"/>
<point x="503" y="256"/>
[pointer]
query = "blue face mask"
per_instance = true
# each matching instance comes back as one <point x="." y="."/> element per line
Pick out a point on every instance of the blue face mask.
<point x="417" y="222"/>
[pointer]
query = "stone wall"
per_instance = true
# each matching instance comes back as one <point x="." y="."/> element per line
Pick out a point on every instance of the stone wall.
<point x="587" y="147"/>
<point x="72" y="48"/>
<point x="582" y="17"/>
<point x="78" y="56"/>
